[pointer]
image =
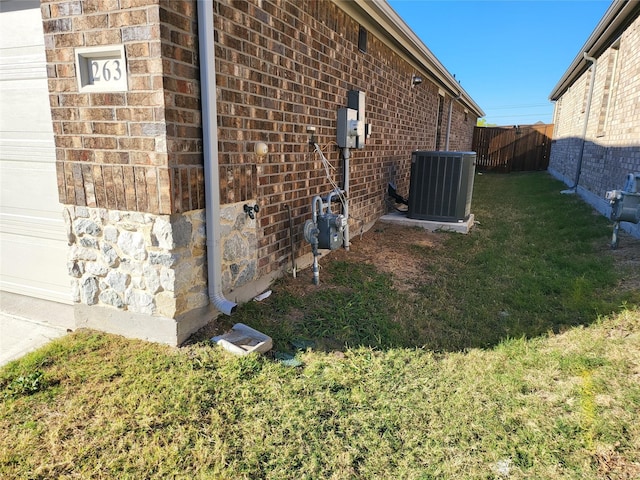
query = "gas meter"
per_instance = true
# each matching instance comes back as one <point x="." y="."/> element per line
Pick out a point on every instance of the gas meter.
<point x="324" y="230"/>
<point x="326" y="227"/>
<point x="625" y="205"/>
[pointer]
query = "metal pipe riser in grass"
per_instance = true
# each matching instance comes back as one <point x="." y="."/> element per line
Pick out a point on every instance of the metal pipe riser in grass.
<point x="625" y="205"/>
<point x="316" y="268"/>
<point x="311" y="233"/>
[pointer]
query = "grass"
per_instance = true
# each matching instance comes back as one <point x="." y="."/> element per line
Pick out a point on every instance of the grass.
<point x="519" y="358"/>
<point x="538" y="262"/>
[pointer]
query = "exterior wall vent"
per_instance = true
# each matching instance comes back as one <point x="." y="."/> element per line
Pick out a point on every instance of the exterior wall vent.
<point x="441" y="185"/>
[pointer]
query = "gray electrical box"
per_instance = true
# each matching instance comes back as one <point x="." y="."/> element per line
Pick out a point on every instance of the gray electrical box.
<point x="352" y="131"/>
<point x="347" y="128"/>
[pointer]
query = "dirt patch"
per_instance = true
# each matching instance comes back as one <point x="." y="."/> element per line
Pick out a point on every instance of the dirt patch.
<point x="393" y="249"/>
<point x="627" y="261"/>
<point x="612" y="465"/>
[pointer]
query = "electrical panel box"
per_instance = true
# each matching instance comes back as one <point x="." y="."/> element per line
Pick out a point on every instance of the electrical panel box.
<point x="356" y="101"/>
<point x="353" y="131"/>
<point x="441" y="185"/>
<point x="348" y="128"/>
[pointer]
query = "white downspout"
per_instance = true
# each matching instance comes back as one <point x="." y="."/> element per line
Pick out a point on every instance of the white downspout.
<point x="446" y="144"/>
<point x="210" y="153"/>
<point x="593" y="61"/>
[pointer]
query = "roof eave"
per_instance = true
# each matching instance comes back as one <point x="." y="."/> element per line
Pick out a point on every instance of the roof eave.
<point x="378" y="16"/>
<point x="603" y="35"/>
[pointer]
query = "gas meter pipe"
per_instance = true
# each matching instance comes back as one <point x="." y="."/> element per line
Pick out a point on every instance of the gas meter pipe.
<point x="317" y="200"/>
<point x="346" y="155"/>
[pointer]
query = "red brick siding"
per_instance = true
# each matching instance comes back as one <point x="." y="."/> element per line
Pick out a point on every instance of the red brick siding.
<point x="136" y="150"/>
<point x="284" y="65"/>
<point x="281" y="66"/>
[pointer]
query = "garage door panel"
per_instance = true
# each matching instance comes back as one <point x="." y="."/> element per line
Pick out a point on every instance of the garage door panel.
<point x="25" y="114"/>
<point x="46" y="228"/>
<point x="31" y="150"/>
<point x="27" y="268"/>
<point x="21" y="21"/>
<point x="29" y="189"/>
<point x="32" y="232"/>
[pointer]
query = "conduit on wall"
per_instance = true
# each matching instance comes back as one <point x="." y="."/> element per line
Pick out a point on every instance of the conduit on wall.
<point x="210" y="153"/>
<point x="446" y="146"/>
<point x="346" y="155"/>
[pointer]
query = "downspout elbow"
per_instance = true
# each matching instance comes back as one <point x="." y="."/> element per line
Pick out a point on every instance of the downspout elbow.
<point x="223" y="304"/>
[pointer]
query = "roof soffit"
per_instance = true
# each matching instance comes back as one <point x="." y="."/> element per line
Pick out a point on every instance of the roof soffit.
<point x="379" y="18"/>
<point x="615" y="20"/>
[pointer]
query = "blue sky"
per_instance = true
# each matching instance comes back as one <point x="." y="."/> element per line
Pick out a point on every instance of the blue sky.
<point x="508" y="55"/>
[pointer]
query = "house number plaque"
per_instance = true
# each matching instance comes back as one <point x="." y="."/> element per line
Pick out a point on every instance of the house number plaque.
<point x="101" y="69"/>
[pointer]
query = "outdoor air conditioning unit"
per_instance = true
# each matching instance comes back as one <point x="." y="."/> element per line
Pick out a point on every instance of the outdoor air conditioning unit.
<point x="441" y="185"/>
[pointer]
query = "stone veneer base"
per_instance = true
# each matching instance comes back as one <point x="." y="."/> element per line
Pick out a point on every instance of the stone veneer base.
<point x="166" y="330"/>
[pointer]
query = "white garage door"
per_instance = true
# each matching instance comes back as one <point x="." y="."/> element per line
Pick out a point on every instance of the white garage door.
<point x="33" y="244"/>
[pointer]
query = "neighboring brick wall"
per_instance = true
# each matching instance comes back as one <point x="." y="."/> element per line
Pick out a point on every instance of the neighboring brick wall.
<point x="612" y="145"/>
<point x="286" y="65"/>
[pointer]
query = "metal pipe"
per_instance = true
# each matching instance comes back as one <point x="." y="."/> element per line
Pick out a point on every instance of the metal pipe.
<point x="294" y="268"/>
<point x="446" y="143"/>
<point x="346" y="155"/>
<point x="210" y="154"/>
<point x="586" y="119"/>
<point x="332" y="193"/>
<point x="316" y="200"/>
<point x="315" y="268"/>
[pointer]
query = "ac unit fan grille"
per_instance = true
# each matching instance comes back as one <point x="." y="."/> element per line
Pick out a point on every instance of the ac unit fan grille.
<point x="441" y="185"/>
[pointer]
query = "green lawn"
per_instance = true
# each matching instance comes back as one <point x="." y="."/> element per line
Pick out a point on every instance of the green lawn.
<point x="517" y="357"/>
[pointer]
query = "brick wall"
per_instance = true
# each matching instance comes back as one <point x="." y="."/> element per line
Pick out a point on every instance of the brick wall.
<point x="138" y="150"/>
<point x="286" y="65"/>
<point x="612" y="143"/>
<point x="282" y="65"/>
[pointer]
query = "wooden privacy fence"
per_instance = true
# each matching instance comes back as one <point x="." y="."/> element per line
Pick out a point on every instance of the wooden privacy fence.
<point x="513" y="149"/>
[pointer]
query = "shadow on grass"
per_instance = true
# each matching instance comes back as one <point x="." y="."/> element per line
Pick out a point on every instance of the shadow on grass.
<point x="537" y="263"/>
